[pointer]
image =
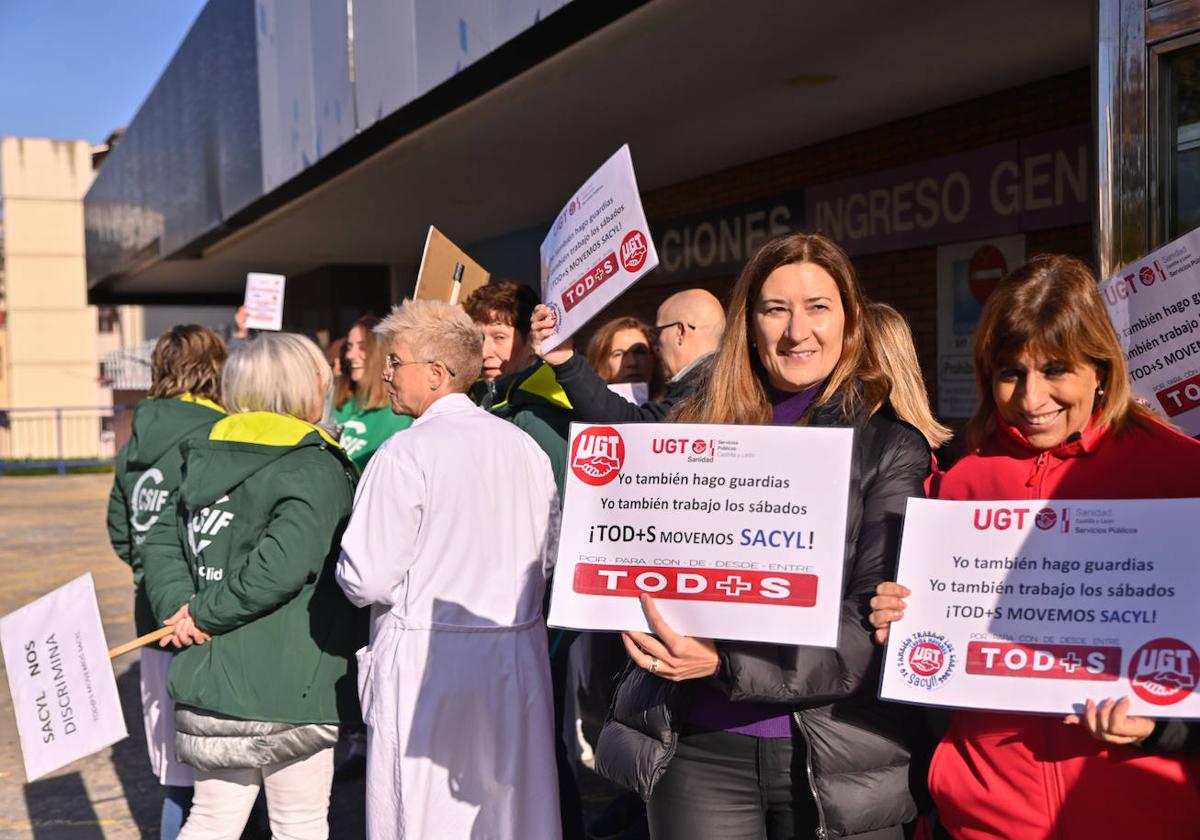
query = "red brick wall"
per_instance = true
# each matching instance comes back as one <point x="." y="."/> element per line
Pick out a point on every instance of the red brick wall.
<point x="905" y="279"/>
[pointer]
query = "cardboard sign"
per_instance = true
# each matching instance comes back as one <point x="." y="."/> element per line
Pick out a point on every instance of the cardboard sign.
<point x="62" y="684"/>
<point x="447" y="273"/>
<point x="1154" y="304"/>
<point x="598" y="246"/>
<point x="738" y="532"/>
<point x="264" y="301"/>
<point x="1037" y="606"/>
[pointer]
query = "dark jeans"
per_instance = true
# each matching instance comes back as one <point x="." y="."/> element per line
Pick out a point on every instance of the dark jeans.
<point x="725" y="786"/>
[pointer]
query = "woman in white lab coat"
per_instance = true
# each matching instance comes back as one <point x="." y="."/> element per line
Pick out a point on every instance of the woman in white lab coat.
<point x="450" y="543"/>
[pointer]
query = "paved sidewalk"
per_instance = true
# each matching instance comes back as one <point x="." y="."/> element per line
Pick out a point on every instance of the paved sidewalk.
<point x="51" y="531"/>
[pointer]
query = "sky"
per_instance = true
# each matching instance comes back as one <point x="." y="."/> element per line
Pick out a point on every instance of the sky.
<point x="77" y="69"/>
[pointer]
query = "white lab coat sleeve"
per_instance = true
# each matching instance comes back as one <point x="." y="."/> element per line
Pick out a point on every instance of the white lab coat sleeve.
<point x="380" y="543"/>
<point x="553" y="524"/>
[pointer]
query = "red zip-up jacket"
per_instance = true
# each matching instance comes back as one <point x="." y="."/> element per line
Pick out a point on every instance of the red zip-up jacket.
<point x="1026" y="776"/>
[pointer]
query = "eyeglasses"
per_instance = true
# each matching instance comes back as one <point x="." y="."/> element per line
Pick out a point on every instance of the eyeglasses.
<point x="655" y="333"/>
<point x="391" y="362"/>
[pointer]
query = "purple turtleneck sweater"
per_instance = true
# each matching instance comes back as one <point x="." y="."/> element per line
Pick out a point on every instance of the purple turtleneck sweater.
<point x="710" y="709"/>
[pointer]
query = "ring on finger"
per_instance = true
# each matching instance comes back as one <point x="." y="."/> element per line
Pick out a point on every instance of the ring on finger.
<point x="654" y="663"/>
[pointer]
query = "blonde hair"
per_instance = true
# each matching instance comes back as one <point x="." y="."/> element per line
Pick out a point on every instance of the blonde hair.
<point x="187" y="359"/>
<point x="1052" y="307"/>
<point x="891" y="341"/>
<point x="275" y="372"/>
<point x="437" y="332"/>
<point x="735" y="392"/>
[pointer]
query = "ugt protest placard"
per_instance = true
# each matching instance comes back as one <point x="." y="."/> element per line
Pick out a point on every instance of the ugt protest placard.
<point x="63" y="689"/>
<point x="1154" y="304"/>
<point x="738" y="532"/>
<point x="1037" y="606"/>
<point x="264" y="300"/>
<point x="598" y="246"/>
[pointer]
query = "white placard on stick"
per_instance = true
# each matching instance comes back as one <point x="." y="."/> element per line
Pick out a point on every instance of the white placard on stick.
<point x="598" y="246"/>
<point x="1154" y="304"/>
<point x="62" y="684"/>
<point x="738" y="532"/>
<point x="1037" y="606"/>
<point x="264" y="301"/>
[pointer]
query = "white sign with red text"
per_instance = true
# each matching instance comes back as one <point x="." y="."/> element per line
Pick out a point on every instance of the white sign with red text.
<point x="1037" y="606"/>
<point x="63" y="689"/>
<point x="1154" y="304"/>
<point x="738" y="532"/>
<point x="264" y="300"/>
<point x="598" y="246"/>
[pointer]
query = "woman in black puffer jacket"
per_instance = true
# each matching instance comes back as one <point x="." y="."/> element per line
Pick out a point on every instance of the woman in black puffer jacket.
<point x="736" y="739"/>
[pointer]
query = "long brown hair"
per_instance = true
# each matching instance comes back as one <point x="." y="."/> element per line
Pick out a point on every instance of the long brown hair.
<point x="600" y="348"/>
<point x="891" y="342"/>
<point x="736" y="392"/>
<point x="187" y="359"/>
<point x="1052" y="307"/>
<point x="371" y="392"/>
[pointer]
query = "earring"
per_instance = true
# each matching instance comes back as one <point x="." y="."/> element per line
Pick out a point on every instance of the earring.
<point x="1099" y="391"/>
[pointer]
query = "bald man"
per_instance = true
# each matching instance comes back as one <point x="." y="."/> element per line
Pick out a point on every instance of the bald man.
<point x="688" y="329"/>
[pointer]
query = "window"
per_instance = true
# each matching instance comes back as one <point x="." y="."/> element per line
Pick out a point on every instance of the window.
<point x="1179" y="141"/>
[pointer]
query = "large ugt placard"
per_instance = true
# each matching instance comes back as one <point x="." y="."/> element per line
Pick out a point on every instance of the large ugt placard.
<point x="1039" y="606"/>
<point x="738" y="532"/>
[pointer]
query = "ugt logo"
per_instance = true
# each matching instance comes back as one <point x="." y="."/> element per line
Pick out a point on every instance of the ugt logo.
<point x="597" y="455"/>
<point x="633" y="251"/>
<point x="1164" y="671"/>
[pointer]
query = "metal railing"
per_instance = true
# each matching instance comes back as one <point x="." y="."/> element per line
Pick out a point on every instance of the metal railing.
<point x="61" y="437"/>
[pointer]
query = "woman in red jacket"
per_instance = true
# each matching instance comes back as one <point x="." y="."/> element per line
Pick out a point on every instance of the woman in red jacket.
<point x="1057" y="420"/>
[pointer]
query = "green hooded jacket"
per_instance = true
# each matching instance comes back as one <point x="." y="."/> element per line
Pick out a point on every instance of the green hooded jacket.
<point x="147" y="472"/>
<point x="251" y="543"/>
<point x="533" y="401"/>
<point x="365" y="429"/>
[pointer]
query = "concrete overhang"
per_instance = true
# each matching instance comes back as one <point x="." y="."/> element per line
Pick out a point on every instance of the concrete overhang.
<point x="693" y="87"/>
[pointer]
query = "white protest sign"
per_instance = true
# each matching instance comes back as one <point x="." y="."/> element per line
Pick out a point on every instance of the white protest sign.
<point x="597" y="247"/>
<point x="62" y="684"/>
<point x="1037" y="606"/>
<point x="264" y="301"/>
<point x="738" y="532"/>
<point x="634" y="392"/>
<point x="1154" y="304"/>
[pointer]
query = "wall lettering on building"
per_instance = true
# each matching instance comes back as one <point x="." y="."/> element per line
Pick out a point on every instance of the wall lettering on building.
<point x="719" y="243"/>
<point x="1005" y="188"/>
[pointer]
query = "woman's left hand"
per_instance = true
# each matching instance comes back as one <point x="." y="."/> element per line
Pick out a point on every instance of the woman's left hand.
<point x="670" y="656"/>
<point x="1111" y="723"/>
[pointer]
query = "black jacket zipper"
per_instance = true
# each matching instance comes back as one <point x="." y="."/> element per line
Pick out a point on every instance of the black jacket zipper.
<point x="822" y="832"/>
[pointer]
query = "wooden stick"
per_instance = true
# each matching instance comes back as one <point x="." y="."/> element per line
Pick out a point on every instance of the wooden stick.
<point x="140" y="641"/>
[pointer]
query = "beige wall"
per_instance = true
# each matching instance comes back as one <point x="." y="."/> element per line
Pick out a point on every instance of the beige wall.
<point x="50" y="359"/>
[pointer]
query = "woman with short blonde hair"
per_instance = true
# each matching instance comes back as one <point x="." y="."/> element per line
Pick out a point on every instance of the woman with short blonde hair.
<point x="438" y="332"/>
<point x="241" y="566"/>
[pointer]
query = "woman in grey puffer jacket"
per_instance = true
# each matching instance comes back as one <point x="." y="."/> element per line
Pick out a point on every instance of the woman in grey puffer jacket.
<point x="737" y="739"/>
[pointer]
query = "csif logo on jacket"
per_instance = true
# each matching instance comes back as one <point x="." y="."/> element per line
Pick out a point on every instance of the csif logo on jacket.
<point x="203" y="526"/>
<point x="146" y="502"/>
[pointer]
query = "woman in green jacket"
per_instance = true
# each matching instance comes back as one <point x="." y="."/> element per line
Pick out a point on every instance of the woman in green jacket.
<point x="241" y="565"/>
<point x="363" y="408"/>
<point x="185" y="389"/>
